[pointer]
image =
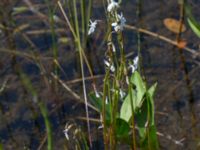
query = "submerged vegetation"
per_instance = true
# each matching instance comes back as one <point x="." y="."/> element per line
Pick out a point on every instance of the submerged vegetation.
<point x="115" y="107"/>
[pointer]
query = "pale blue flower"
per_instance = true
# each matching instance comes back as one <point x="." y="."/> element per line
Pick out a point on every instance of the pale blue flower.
<point x="66" y="134"/>
<point x="92" y="26"/>
<point x="112" y="6"/>
<point x="122" y="93"/>
<point x="120" y="23"/>
<point x="67" y="128"/>
<point x="134" y="66"/>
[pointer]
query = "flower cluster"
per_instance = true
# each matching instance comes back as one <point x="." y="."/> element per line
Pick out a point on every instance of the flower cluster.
<point x="120" y="21"/>
<point x="112" y="6"/>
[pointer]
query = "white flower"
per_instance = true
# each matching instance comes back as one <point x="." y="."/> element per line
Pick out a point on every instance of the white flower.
<point x="106" y="63"/>
<point x="134" y="66"/>
<point x="116" y="26"/>
<point x="92" y="26"/>
<point x="119" y="25"/>
<point x="67" y="128"/>
<point x="112" y="6"/>
<point x="66" y="133"/>
<point x="122" y="93"/>
<point x="111" y="66"/>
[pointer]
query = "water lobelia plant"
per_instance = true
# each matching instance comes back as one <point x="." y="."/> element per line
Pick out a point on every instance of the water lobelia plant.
<point x="138" y="104"/>
<point x="126" y="103"/>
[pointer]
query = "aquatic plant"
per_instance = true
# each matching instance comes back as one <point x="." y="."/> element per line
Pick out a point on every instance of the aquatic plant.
<point x="121" y="115"/>
<point x="125" y="104"/>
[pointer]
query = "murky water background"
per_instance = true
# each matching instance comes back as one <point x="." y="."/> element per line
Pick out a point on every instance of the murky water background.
<point x="21" y="124"/>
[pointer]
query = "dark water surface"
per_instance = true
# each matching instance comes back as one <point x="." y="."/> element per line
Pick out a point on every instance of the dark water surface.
<point x="177" y="104"/>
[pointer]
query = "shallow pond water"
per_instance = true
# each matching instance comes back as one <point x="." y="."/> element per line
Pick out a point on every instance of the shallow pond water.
<point x="27" y="38"/>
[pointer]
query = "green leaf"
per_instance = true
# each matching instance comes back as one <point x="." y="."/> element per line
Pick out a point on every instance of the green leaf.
<point x="151" y="142"/>
<point x="142" y="118"/>
<point x="151" y="92"/>
<point x="140" y="87"/>
<point x="137" y="97"/>
<point x="145" y="121"/>
<point x="122" y="128"/>
<point x="126" y="110"/>
<point x="145" y="115"/>
<point x="194" y="26"/>
<point x="152" y="89"/>
<point x="98" y="103"/>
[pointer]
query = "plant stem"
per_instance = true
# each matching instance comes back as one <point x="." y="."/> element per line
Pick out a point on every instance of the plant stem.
<point x="133" y="117"/>
<point x="104" y="109"/>
<point x="82" y="69"/>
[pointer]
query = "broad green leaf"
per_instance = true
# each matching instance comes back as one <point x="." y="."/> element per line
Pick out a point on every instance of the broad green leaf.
<point x="137" y="97"/>
<point x="145" y="115"/>
<point x="98" y="103"/>
<point x="145" y="121"/>
<point x="152" y="89"/>
<point x="122" y="128"/>
<point x="140" y="87"/>
<point x="126" y="110"/>
<point x="154" y="143"/>
<point x="151" y="142"/>
<point x="141" y="117"/>
<point x="146" y="127"/>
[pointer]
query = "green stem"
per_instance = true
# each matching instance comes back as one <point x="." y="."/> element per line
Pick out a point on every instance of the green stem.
<point x="133" y="117"/>
<point x="82" y="69"/>
<point x="44" y="112"/>
<point x="105" y="89"/>
<point x="53" y="35"/>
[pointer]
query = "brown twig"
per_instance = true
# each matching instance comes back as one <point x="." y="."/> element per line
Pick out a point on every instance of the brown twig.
<point x="192" y="51"/>
<point x="71" y="91"/>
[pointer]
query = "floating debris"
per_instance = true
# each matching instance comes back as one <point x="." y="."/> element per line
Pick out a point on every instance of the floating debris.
<point x="173" y="25"/>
